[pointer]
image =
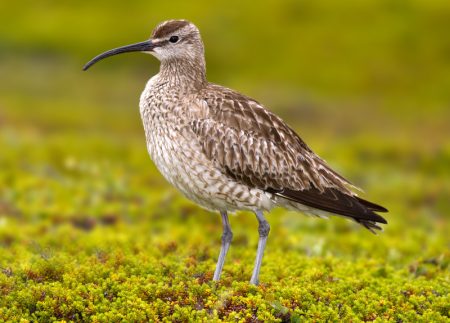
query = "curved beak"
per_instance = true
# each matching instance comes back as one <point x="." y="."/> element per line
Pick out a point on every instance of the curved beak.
<point x="144" y="46"/>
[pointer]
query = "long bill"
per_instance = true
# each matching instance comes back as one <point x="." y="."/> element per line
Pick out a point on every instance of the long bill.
<point x="144" y="46"/>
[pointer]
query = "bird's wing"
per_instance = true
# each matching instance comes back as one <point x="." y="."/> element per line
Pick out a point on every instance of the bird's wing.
<point x="256" y="147"/>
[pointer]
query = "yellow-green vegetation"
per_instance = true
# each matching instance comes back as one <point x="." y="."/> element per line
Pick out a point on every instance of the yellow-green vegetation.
<point x="90" y="231"/>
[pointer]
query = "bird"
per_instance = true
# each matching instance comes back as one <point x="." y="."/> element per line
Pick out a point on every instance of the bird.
<point x="226" y="151"/>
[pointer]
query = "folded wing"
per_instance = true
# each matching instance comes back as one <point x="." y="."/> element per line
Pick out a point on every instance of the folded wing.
<point x="255" y="147"/>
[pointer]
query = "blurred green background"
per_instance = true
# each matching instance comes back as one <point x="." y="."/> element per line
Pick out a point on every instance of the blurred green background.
<point x="365" y="83"/>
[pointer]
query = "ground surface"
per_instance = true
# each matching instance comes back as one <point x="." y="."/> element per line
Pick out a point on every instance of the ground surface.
<point x="90" y="231"/>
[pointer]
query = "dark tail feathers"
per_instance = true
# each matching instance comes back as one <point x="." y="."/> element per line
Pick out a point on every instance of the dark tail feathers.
<point x="335" y="201"/>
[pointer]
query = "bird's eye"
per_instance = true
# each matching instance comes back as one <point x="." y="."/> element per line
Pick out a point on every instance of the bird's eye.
<point x="174" y="39"/>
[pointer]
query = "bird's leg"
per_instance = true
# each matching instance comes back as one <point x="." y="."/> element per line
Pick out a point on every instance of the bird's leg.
<point x="227" y="236"/>
<point x="263" y="230"/>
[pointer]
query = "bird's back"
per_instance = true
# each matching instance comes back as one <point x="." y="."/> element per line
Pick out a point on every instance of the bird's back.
<point x="256" y="145"/>
<point x="257" y="148"/>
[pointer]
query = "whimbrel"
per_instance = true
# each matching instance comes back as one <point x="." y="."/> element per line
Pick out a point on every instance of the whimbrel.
<point x="226" y="151"/>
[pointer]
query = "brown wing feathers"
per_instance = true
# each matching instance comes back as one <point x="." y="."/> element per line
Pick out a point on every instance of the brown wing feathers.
<point x="256" y="147"/>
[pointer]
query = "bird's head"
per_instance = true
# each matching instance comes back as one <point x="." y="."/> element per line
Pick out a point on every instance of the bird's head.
<point x="170" y="41"/>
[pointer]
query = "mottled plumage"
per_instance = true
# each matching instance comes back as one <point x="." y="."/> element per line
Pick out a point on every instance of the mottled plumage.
<point x="227" y="152"/>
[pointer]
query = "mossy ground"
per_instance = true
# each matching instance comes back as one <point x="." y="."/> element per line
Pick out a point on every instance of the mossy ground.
<point x="90" y="231"/>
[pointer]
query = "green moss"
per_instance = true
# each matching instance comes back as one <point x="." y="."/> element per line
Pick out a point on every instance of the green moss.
<point x="143" y="289"/>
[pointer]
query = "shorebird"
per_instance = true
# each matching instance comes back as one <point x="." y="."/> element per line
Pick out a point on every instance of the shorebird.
<point x="227" y="152"/>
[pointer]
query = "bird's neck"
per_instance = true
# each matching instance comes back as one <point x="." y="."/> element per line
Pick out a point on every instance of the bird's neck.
<point x="189" y="74"/>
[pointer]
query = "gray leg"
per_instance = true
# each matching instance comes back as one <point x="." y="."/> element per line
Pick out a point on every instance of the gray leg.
<point x="227" y="236"/>
<point x="263" y="230"/>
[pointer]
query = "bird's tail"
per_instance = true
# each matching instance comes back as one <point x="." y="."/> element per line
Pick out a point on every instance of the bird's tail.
<point x="334" y="201"/>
